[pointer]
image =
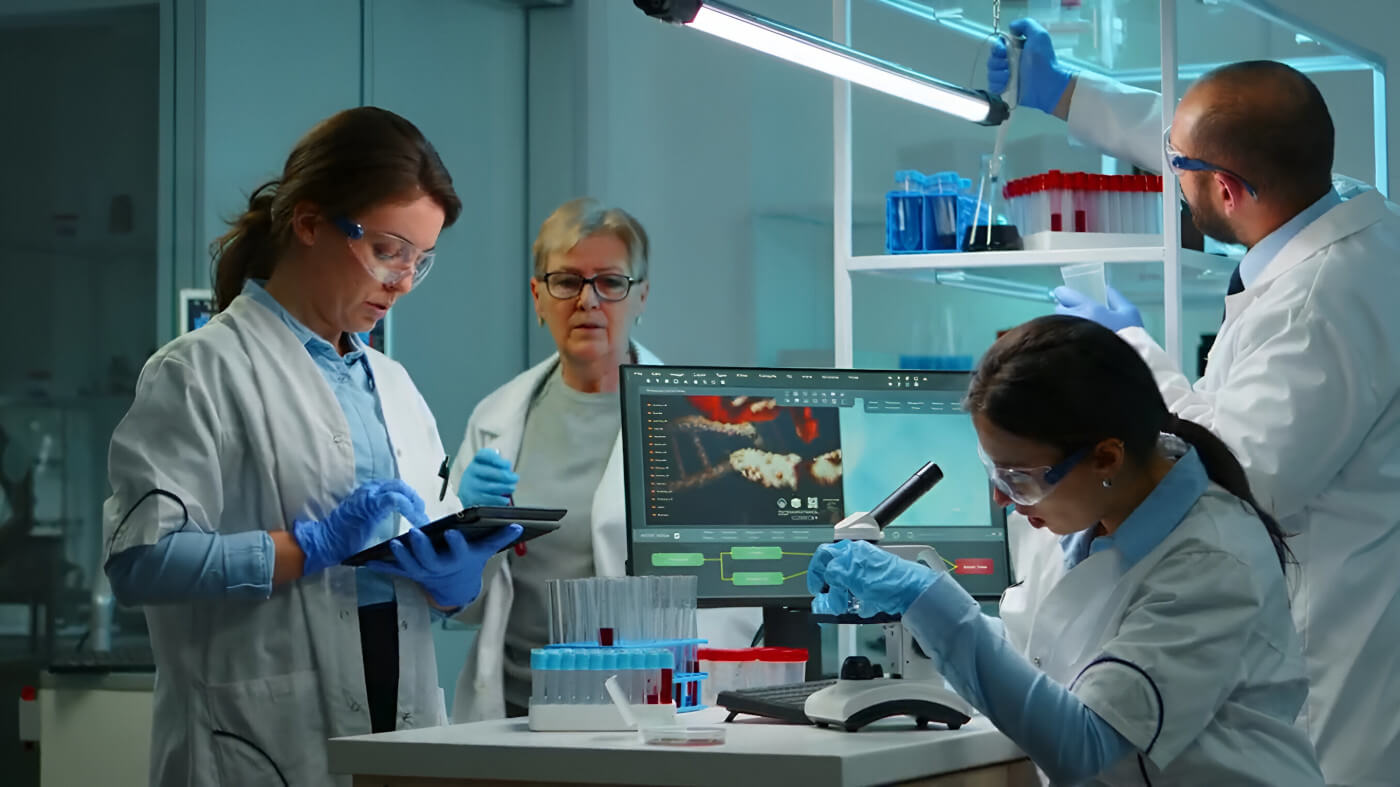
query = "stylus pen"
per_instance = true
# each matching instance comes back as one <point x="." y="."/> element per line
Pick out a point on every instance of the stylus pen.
<point x="443" y="472"/>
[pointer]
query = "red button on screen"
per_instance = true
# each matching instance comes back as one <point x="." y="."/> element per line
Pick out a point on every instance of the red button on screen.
<point x="974" y="565"/>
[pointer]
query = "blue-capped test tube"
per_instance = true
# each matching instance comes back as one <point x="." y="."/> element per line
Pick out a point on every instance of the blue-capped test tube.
<point x="552" y="663"/>
<point x="596" y="692"/>
<point x="537" y="676"/>
<point x="635" y="680"/>
<point x="568" y="694"/>
<point x="606" y="668"/>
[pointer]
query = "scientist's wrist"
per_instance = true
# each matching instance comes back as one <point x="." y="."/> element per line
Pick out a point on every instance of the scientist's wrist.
<point x="1061" y="110"/>
<point x="288" y="557"/>
<point x="917" y="589"/>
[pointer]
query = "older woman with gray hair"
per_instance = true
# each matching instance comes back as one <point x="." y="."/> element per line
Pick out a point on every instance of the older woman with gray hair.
<point x="551" y="437"/>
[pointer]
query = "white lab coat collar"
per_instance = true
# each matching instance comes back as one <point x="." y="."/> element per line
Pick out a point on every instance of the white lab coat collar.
<point x="1344" y="220"/>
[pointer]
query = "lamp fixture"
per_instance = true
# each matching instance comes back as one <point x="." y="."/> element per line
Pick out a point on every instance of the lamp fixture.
<point x="796" y="46"/>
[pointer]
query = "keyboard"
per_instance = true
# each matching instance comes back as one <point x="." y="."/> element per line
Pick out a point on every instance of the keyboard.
<point x="785" y="703"/>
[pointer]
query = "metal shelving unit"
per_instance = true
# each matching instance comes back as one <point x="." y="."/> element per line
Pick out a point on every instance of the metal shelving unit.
<point x="1170" y="255"/>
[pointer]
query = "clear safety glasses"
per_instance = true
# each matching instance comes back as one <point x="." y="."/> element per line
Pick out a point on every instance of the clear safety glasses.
<point x="1027" y="486"/>
<point x="1183" y="163"/>
<point x="388" y="258"/>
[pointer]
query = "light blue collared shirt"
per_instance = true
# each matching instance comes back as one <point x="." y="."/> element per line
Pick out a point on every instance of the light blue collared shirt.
<point x="351" y="380"/>
<point x="1064" y="737"/>
<point x="1151" y="522"/>
<point x="1258" y="258"/>
<point x="186" y="564"/>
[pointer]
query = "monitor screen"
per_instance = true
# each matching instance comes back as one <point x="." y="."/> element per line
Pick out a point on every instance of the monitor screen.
<point x="737" y="475"/>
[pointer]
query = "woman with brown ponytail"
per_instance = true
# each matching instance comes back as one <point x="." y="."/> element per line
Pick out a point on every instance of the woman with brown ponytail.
<point x="1151" y="640"/>
<point x="271" y="444"/>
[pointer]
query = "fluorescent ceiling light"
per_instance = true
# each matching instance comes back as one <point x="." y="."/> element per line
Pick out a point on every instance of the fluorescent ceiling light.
<point x="795" y="46"/>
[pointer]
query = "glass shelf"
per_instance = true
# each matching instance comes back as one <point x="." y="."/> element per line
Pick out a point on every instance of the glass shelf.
<point x="1121" y="38"/>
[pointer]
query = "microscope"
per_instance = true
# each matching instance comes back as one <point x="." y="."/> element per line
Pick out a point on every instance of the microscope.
<point x="907" y="683"/>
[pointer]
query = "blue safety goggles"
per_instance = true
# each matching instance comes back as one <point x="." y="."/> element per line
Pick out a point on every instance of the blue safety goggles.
<point x="1183" y="163"/>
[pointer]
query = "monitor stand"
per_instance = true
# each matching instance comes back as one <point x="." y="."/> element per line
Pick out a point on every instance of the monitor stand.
<point x="794" y="627"/>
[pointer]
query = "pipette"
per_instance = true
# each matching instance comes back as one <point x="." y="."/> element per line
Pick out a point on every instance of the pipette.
<point x="991" y="178"/>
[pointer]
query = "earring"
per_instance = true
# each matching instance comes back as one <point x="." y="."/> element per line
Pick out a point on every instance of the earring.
<point x="639" y="320"/>
<point x="541" y="320"/>
<point x="1107" y="483"/>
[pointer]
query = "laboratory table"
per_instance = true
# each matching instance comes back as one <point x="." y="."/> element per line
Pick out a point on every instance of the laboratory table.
<point x="755" y="752"/>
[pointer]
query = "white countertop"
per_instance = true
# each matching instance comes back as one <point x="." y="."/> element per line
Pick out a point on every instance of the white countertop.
<point x="755" y="752"/>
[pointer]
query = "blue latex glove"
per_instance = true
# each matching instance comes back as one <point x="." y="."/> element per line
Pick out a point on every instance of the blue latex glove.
<point x="452" y="578"/>
<point x="346" y="528"/>
<point x="1120" y="313"/>
<point x="1043" y="79"/>
<point x="881" y="581"/>
<point x="487" y="481"/>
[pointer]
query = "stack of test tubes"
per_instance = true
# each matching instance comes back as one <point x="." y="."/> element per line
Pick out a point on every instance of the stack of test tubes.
<point x="642" y="629"/>
<point x="575" y="676"/>
<point x="1083" y="202"/>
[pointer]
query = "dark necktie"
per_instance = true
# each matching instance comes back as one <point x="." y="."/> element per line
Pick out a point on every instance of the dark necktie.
<point x="1236" y="287"/>
<point x="1236" y="283"/>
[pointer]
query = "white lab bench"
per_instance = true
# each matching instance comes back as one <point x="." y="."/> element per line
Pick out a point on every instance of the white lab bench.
<point x="755" y="752"/>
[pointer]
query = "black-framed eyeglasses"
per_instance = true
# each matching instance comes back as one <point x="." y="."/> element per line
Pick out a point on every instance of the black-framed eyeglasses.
<point x="1183" y="163"/>
<point x="607" y="286"/>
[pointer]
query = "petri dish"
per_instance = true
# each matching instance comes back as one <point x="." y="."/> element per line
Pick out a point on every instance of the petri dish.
<point x="683" y="736"/>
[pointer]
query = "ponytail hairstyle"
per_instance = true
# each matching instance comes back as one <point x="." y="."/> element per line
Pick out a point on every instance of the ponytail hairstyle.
<point x="347" y="163"/>
<point x="1070" y="382"/>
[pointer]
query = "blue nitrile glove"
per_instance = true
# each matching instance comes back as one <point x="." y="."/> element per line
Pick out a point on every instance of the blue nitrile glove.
<point x="346" y="528"/>
<point x="487" y="481"/>
<point x="881" y="581"/>
<point x="1043" y="79"/>
<point x="1120" y="313"/>
<point x="452" y="578"/>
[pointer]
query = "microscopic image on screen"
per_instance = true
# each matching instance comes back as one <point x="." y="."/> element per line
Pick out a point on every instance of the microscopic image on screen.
<point x="741" y="460"/>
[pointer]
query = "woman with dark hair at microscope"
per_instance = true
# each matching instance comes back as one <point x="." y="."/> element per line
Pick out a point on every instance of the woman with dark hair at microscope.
<point x="1151" y="640"/>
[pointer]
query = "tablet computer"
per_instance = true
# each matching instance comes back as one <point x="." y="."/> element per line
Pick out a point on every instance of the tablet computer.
<point x="474" y="523"/>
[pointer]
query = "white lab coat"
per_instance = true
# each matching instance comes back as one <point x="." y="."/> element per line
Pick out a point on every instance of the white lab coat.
<point x="499" y="422"/>
<point x="1303" y="384"/>
<point x="237" y="421"/>
<point x="1188" y="653"/>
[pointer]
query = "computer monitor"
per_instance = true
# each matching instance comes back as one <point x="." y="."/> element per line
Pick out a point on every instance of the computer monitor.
<point x="736" y="475"/>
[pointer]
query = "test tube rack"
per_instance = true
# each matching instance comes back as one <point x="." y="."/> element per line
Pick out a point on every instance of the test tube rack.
<point x="686" y="677"/>
<point x="568" y="691"/>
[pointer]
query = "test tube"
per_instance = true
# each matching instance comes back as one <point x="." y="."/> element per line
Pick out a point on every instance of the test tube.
<point x="1079" y="187"/>
<point x="592" y="595"/>
<point x="563" y="684"/>
<point x="1126" y="212"/>
<point x="552" y="663"/>
<point x="537" y="676"/>
<point x="652" y="677"/>
<point x="1144" y="197"/>
<point x="609" y="668"/>
<point x="668" y="669"/>
<point x="1041" y="204"/>
<point x="1156" y="203"/>
<point x="570" y="599"/>
<point x="607" y="632"/>
<point x="598" y="664"/>
<point x="1054" y="182"/>
<point x="636" y="682"/>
